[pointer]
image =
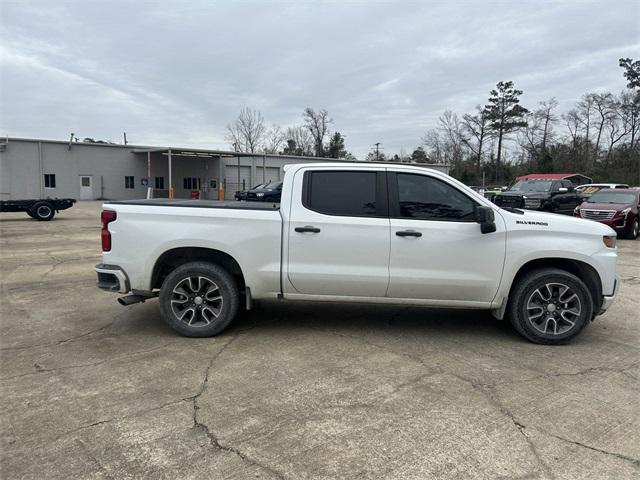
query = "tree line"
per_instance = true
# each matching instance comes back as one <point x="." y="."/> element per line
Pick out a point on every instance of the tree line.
<point x="312" y="138"/>
<point x="501" y="140"/>
<point x="498" y="141"/>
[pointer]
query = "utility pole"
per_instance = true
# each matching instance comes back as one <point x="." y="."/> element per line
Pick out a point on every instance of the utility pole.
<point x="377" y="150"/>
<point x="124" y="134"/>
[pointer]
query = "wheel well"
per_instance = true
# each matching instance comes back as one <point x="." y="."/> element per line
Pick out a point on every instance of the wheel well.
<point x="171" y="259"/>
<point x="583" y="271"/>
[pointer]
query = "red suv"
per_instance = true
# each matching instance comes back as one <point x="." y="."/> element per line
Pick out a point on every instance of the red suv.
<point x="616" y="208"/>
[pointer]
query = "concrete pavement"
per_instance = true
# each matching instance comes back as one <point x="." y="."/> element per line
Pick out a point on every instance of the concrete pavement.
<point x="91" y="389"/>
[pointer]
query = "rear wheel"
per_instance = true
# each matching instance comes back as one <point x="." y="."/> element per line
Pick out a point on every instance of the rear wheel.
<point x="550" y="306"/>
<point x="43" y="211"/>
<point x="199" y="299"/>
<point x="633" y="231"/>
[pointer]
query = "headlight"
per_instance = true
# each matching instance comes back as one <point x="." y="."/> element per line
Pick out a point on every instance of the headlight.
<point x="609" y="240"/>
<point x="625" y="212"/>
<point x="259" y="195"/>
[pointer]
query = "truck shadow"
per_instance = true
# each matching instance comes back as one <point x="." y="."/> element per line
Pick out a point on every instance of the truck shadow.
<point x="358" y="319"/>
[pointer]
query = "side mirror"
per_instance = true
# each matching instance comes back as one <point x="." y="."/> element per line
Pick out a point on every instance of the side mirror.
<point x="563" y="190"/>
<point x="486" y="218"/>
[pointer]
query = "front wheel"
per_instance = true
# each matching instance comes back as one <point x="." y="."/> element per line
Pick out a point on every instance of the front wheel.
<point x="550" y="306"/>
<point x="199" y="299"/>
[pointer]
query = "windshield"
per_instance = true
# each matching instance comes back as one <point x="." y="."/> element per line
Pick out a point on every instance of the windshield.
<point x="532" y="186"/>
<point x="273" y="186"/>
<point x="612" y="197"/>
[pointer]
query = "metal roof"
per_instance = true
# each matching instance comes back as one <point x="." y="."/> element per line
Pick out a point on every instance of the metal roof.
<point x="206" y="152"/>
<point x="550" y="176"/>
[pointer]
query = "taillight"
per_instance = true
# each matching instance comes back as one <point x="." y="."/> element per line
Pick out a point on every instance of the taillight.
<point x="106" y="217"/>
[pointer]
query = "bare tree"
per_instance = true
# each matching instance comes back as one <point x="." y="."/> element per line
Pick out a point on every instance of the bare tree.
<point x="477" y="133"/>
<point x="298" y="141"/>
<point x="572" y="122"/>
<point x="433" y="143"/>
<point x="547" y="118"/>
<point x="318" y="125"/>
<point x="603" y="107"/>
<point x="274" y="138"/>
<point x="629" y="113"/>
<point x="584" y="115"/>
<point x="247" y="132"/>
<point x="538" y="133"/>
<point x="451" y="129"/>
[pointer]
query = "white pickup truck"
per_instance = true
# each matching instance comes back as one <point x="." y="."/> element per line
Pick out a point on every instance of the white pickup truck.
<point x="360" y="232"/>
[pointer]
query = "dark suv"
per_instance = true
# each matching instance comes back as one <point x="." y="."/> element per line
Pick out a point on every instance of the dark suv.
<point x="556" y="196"/>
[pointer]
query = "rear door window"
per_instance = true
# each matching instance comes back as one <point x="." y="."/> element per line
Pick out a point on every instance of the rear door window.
<point x="344" y="193"/>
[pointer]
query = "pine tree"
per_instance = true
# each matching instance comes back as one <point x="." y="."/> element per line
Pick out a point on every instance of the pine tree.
<point x="505" y="115"/>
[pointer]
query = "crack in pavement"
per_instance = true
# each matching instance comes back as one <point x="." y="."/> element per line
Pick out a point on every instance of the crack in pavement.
<point x="621" y="456"/>
<point x="135" y="414"/>
<point x="482" y="388"/>
<point x="204" y="428"/>
<point x="94" y="459"/>
<point x="40" y="369"/>
<point x="117" y="317"/>
<point x="521" y="428"/>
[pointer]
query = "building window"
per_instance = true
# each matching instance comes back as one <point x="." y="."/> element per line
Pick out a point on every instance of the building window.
<point x="128" y="181"/>
<point x="49" y="180"/>
<point x="160" y="183"/>
<point x="191" y="183"/>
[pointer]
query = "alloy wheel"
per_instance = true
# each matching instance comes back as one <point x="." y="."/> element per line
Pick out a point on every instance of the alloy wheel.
<point x="553" y="309"/>
<point x="196" y="301"/>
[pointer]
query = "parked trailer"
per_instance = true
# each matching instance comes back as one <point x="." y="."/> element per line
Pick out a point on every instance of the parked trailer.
<point x="42" y="209"/>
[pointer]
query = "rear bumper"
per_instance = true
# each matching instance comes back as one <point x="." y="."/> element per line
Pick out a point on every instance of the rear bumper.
<point x="112" y="278"/>
<point x="607" y="300"/>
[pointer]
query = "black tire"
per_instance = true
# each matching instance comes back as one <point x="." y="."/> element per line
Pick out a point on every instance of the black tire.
<point x="43" y="211"/>
<point x="526" y="301"/>
<point x="632" y="232"/>
<point x="205" y="316"/>
<point x="30" y="214"/>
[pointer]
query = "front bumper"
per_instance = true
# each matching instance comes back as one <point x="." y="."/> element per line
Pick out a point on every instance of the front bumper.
<point x="112" y="278"/>
<point x="607" y="300"/>
<point x="618" y="223"/>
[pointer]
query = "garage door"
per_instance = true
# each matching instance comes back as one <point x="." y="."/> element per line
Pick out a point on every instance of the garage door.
<point x="231" y="176"/>
<point x="271" y="174"/>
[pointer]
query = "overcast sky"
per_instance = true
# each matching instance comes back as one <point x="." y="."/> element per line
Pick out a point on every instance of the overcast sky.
<point x="175" y="73"/>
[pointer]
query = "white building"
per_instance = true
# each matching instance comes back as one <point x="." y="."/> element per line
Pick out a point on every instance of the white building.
<point x="36" y="168"/>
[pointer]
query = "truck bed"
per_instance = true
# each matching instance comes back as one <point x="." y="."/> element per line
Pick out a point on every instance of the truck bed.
<point x="180" y="202"/>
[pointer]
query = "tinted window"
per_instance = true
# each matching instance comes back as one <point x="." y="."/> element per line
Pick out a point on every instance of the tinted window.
<point x="342" y="193"/>
<point x="532" y="186"/>
<point x="427" y="198"/>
